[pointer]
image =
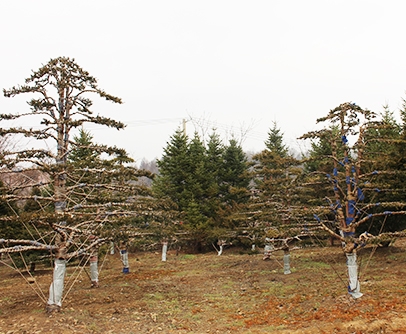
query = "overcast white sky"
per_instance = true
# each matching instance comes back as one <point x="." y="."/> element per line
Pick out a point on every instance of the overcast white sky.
<point x="233" y="64"/>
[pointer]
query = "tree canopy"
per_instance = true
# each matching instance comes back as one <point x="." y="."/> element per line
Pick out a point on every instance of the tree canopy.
<point x="205" y="182"/>
<point x="87" y="184"/>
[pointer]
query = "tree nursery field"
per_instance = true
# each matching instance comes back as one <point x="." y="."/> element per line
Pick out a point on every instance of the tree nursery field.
<point x="236" y="292"/>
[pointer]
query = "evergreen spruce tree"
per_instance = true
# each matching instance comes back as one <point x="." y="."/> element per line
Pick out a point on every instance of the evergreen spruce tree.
<point x="204" y="183"/>
<point x="234" y="175"/>
<point x="83" y="153"/>
<point x="275" y="171"/>
<point x="173" y="171"/>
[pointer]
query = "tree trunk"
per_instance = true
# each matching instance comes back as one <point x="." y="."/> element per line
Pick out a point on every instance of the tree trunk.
<point x="94" y="271"/>
<point x="286" y="262"/>
<point x="220" y="251"/>
<point x="164" y="250"/>
<point x="124" y="259"/>
<point x="56" y="288"/>
<point x="268" y="251"/>
<point x="353" y="286"/>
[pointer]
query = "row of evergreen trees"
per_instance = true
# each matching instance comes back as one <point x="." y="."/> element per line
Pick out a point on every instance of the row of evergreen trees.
<point x="213" y="190"/>
<point x="206" y="182"/>
<point x="202" y="190"/>
<point x="221" y="192"/>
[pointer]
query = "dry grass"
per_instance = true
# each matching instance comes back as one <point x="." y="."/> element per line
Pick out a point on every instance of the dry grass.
<point x="206" y="293"/>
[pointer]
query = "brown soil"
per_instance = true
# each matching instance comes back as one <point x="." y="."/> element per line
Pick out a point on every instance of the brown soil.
<point x="206" y="293"/>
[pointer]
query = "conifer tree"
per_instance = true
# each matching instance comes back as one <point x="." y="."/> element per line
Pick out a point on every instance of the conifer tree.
<point x="275" y="171"/>
<point x="234" y="176"/>
<point x="204" y="182"/>
<point x="82" y="208"/>
<point x="352" y="179"/>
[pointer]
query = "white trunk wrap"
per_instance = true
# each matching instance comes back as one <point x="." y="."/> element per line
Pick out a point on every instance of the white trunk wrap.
<point x="56" y="288"/>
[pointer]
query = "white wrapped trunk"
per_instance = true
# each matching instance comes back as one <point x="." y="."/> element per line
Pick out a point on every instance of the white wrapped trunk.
<point x="220" y="250"/>
<point x="164" y="250"/>
<point x="56" y="288"/>
<point x="353" y="285"/>
<point x="268" y="249"/>
<point x="94" y="271"/>
<point x="286" y="263"/>
<point x="124" y="259"/>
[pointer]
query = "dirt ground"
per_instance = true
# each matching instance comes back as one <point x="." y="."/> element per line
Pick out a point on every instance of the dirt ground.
<point x="205" y="293"/>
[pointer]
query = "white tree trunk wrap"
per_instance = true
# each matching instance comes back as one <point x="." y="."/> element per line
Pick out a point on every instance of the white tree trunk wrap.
<point x="268" y="251"/>
<point x="286" y="263"/>
<point x="111" y="248"/>
<point x="164" y="250"/>
<point x="124" y="259"/>
<point x="220" y="251"/>
<point x="353" y="286"/>
<point x="94" y="271"/>
<point x="56" y="288"/>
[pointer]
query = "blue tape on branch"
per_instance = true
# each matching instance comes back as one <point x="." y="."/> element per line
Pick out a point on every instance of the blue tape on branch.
<point x="346" y="160"/>
<point x="360" y="195"/>
<point x="351" y="207"/>
<point x="387" y="212"/>
<point x="377" y="190"/>
<point x="353" y="169"/>
<point x="347" y="179"/>
<point x="328" y="176"/>
<point x="377" y="204"/>
<point x="317" y="217"/>
<point x="335" y="172"/>
<point x="344" y="139"/>
<point x="348" y="220"/>
<point x="374" y="172"/>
